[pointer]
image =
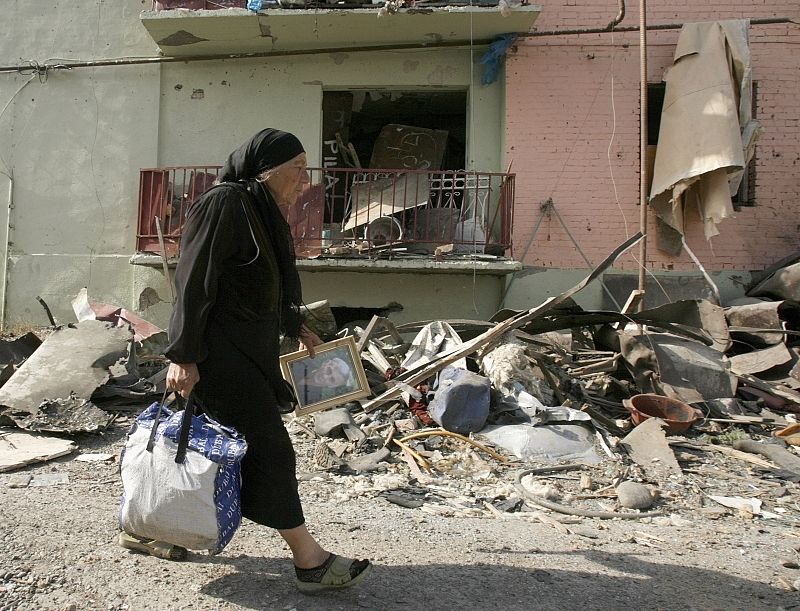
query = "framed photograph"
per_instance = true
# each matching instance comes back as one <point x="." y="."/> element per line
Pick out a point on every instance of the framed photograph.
<point x="334" y="375"/>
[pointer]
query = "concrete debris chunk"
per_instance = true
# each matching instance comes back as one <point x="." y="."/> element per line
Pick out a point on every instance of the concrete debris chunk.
<point x="150" y="339"/>
<point x="633" y="495"/>
<point x="41" y="480"/>
<point x="647" y="446"/>
<point x="95" y="457"/>
<point x="18" y="449"/>
<point x="772" y="451"/>
<point x="20" y="480"/>
<point x="369" y="462"/>
<point x="51" y="391"/>
<point x="760" y="360"/>
<point x="665" y="364"/>
<point x="331" y="423"/>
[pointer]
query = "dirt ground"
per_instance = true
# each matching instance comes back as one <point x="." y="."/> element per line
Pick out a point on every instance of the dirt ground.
<point x="58" y="547"/>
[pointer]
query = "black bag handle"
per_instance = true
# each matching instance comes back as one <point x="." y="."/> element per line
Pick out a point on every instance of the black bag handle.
<point x="188" y="406"/>
<point x="186" y="425"/>
<point x="152" y="439"/>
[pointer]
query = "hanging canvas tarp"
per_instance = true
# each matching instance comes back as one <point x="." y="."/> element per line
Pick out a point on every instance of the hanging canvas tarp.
<point x="707" y="132"/>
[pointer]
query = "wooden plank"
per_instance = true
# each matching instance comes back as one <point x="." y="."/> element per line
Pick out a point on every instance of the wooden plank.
<point x="367" y="334"/>
<point x="164" y="262"/>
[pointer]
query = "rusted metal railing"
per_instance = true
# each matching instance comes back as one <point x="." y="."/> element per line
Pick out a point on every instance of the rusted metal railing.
<point x="166" y="194"/>
<point x="411" y="211"/>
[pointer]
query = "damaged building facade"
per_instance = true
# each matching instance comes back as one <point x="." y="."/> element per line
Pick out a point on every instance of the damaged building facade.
<point x="572" y="130"/>
<point x="127" y="142"/>
<point x="442" y="181"/>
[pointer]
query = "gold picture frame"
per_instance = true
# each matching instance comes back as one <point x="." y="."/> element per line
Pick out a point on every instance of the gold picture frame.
<point x="332" y="377"/>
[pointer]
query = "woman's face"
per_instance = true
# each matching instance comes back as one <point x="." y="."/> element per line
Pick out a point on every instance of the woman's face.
<point x="329" y="374"/>
<point x="288" y="180"/>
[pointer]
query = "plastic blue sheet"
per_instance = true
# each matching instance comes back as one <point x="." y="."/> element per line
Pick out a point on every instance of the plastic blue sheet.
<point x="495" y="56"/>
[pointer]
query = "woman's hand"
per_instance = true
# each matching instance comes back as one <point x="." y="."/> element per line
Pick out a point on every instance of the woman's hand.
<point x="309" y="339"/>
<point x="182" y="377"/>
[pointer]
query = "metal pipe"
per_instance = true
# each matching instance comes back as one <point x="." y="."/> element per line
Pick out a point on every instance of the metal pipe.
<point x="7" y="241"/>
<point x="635" y="28"/>
<point x="642" y="147"/>
<point x="620" y="16"/>
<point x="66" y="65"/>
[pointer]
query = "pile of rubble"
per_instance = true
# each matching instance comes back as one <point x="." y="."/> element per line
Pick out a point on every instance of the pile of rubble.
<point x="554" y="414"/>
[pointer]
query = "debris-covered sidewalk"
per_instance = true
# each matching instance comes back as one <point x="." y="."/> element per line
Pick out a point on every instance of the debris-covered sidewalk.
<point x="547" y="447"/>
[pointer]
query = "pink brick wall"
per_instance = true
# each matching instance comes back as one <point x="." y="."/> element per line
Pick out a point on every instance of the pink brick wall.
<point x="572" y="121"/>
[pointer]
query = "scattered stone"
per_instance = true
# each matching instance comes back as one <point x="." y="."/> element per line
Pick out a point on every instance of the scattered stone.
<point x="329" y="423"/>
<point x="676" y="520"/>
<point x="434" y="442"/>
<point x="405" y="425"/>
<point x="648" y="447"/>
<point x="369" y="462"/>
<point x="324" y="457"/>
<point x="403" y="498"/>
<point x="19" y="481"/>
<point x="540" y="489"/>
<point x="788" y="563"/>
<point x="95" y="457"/>
<point x="633" y="495"/>
<point x="49" y="479"/>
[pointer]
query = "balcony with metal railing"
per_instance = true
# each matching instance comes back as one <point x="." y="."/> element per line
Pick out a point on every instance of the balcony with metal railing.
<point x="347" y="212"/>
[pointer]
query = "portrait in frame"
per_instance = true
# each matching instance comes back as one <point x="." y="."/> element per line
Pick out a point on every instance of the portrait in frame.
<point x="333" y="376"/>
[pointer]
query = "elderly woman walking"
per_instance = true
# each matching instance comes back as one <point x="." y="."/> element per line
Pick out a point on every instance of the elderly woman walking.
<point x="237" y="290"/>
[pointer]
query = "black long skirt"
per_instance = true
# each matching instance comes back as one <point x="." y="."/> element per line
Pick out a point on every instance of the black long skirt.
<point x="234" y="390"/>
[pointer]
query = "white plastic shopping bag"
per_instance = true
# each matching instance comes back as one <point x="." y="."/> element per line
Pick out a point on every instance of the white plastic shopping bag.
<point x="182" y="479"/>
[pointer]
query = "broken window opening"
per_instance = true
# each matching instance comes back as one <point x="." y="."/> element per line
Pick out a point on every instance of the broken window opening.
<point x="355" y="121"/>
<point x="746" y="195"/>
<point x="655" y="102"/>
<point x="351" y="316"/>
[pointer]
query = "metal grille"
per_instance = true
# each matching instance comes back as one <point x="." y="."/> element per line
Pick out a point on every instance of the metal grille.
<point x="405" y="211"/>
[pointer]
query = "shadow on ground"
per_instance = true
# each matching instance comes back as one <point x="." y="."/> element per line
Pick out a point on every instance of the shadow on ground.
<point x="610" y="581"/>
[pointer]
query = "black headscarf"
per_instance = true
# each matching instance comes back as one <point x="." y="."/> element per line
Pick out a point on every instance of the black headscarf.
<point x="268" y="149"/>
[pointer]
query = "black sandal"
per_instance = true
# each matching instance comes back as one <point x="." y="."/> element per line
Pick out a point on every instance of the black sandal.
<point x="335" y="573"/>
<point x="158" y="549"/>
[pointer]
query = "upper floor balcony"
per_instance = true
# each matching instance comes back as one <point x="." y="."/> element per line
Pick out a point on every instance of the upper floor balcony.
<point x="348" y="212"/>
<point x="216" y="28"/>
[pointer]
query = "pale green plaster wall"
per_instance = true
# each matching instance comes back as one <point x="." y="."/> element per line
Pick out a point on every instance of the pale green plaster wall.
<point x="73" y="142"/>
<point x="530" y="287"/>
<point x="209" y="108"/>
<point x="423" y="296"/>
